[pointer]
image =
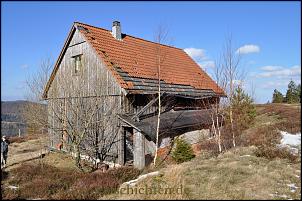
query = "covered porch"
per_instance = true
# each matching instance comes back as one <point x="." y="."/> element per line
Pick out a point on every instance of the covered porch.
<point x="172" y="123"/>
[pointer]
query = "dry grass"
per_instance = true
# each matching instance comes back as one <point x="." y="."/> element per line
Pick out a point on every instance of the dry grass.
<point x="265" y="133"/>
<point x="242" y="173"/>
<point x="24" y="138"/>
<point x="170" y="179"/>
<point x="289" y="115"/>
<point x="239" y="174"/>
<point x="17" y="139"/>
<point x="60" y="160"/>
<point x="43" y="181"/>
<point x="236" y="174"/>
<point x="24" y="151"/>
<point x="260" y="171"/>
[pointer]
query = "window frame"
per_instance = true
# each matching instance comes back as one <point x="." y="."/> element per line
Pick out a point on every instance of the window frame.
<point x="74" y="64"/>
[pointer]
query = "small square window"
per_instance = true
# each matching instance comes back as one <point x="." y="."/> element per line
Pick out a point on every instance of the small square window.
<point x="77" y="64"/>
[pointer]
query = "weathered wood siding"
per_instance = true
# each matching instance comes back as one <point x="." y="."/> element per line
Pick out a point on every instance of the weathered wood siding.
<point x="93" y="80"/>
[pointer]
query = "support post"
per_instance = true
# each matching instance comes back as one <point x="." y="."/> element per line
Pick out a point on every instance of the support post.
<point x="121" y="147"/>
<point x="139" y="149"/>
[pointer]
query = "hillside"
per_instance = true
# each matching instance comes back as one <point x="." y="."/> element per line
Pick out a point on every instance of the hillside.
<point x="12" y="118"/>
<point x="244" y="172"/>
<point x="241" y="173"/>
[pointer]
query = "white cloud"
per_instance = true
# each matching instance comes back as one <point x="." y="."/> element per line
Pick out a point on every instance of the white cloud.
<point x="24" y="66"/>
<point x="271" y="68"/>
<point x="246" y="49"/>
<point x="275" y="84"/>
<point x="195" y="53"/>
<point x="280" y="72"/>
<point x="207" y="64"/>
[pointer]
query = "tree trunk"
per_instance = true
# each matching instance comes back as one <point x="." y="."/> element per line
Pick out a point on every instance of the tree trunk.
<point x="232" y="128"/>
<point x="219" y="134"/>
<point x="157" y="127"/>
<point x="159" y="107"/>
<point x="77" y="156"/>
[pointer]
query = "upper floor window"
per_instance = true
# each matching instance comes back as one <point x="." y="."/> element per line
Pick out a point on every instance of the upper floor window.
<point x="77" y="64"/>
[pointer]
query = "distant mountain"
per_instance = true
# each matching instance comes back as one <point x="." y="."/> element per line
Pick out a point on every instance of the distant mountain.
<point x="11" y="117"/>
<point x="11" y="110"/>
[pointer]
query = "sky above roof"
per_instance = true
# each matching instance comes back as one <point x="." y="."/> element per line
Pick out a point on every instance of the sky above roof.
<point x="267" y="34"/>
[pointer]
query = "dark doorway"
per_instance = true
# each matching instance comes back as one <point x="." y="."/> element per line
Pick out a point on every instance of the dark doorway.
<point x="128" y="144"/>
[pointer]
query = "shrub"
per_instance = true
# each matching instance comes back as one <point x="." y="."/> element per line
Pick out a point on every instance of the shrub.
<point x="290" y="116"/>
<point x="268" y="136"/>
<point x="272" y="152"/>
<point x="48" y="182"/>
<point x="94" y="185"/>
<point x="182" y="151"/>
<point x="124" y="174"/>
<point x="244" y="111"/>
<point x="210" y="146"/>
<point x="40" y="181"/>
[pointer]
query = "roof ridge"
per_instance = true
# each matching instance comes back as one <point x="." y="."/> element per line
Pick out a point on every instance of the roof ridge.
<point x="129" y="36"/>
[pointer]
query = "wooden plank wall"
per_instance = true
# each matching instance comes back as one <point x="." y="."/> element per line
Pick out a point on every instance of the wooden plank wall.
<point x="94" y="80"/>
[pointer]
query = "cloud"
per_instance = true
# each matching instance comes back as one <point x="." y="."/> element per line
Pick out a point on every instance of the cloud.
<point x="247" y="49"/>
<point x="207" y="64"/>
<point x="195" y="53"/>
<point x="24" y="66"/>
<point x="280" y="72"/>
<point x="271" y="68"/>
<point x="275" y="84"/>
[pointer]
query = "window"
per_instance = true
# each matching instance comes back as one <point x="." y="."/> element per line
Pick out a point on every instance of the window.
<point x="77" y="64"/>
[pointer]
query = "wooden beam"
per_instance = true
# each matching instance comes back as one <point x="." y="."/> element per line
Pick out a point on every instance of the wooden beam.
<point x="128" y="123"/>
<point x="138" y="114"/>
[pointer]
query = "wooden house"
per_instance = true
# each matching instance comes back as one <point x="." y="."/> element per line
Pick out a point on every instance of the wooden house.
<point x="127" y="68"/>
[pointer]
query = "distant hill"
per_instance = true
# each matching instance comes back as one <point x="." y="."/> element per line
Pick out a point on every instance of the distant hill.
<point x="11" y="117"/>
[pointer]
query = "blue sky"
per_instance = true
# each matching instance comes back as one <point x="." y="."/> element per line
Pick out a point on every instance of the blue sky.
<point x="268" y="33"/>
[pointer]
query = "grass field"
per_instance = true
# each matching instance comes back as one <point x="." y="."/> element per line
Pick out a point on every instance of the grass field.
<point x="239" y="173"/>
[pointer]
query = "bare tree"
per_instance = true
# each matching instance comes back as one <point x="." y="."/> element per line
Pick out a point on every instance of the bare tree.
<point x="35" y="112"/>
<point x="78" y="120"/>
<point x="231" y="73"/>
<point x="83" y="118"/>
<point x="221" y="83"/>
<point x="160" y="38"/>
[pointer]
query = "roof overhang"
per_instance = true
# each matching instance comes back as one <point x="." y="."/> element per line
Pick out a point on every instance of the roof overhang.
<point x="150" y="86"/>
<point x="173" y="123"/>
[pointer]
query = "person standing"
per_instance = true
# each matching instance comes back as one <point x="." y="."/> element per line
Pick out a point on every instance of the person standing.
<point x="4" y="151"/>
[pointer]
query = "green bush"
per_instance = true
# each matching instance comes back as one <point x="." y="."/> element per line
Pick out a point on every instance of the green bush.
<point x="182" y="151"/>
<point x="244" y="111"/>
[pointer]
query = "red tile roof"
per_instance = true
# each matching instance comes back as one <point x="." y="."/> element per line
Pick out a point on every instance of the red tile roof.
<point x="138" y="58"/>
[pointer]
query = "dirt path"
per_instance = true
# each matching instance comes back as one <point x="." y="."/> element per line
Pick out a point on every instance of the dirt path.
<point x="25" y="151"/>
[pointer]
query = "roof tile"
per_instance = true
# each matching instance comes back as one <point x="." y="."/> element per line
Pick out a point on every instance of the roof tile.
<point x="138" y="58"/>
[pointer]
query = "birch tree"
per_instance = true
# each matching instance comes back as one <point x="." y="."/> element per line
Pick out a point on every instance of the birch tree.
<point x="231" y="73"/>
<point x="160" y="38"/>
